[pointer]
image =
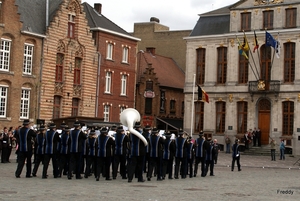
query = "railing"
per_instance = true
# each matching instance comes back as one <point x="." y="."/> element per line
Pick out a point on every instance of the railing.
<point x="264" y="86"/>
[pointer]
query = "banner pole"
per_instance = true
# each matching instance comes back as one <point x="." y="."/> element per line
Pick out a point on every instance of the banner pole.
<point x="192" y="113"/>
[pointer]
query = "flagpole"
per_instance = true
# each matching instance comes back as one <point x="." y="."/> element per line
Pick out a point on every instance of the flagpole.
<point x="259" y="60"/>
<point x="192" y="113"/>
<point x="251" y="56"/>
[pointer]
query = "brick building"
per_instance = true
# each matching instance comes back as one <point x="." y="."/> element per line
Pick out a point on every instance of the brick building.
<point x="159" y="91"/>
<point x="165" y="41"/>
<point x="116" y="74"/>
<point x="20" y="60"/>
<point x="70" y="63"/>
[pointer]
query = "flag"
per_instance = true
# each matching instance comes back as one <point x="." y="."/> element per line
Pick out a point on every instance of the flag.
<point x="202" y="95"/>
<point x="241" y="49"/>
<point x="277" y="47"/>
<point x="256" y="45"/>
<point x="270" y="41"/>
<point x="245" y="44"/>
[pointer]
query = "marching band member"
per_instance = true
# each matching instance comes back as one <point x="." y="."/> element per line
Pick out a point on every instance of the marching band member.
<point x="120" y="152"/>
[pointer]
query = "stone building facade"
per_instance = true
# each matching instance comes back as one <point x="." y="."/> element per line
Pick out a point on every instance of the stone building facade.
<point x="261" y="91"/>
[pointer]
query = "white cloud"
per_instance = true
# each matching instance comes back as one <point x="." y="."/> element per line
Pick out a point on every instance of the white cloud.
<point x="176" y="14"/>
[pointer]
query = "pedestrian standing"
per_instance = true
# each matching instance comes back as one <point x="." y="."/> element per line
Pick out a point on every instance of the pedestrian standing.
<point x="273" y="148"/>
<point x="236" y="155"/>
<point x="282" y="148"/>
<point x="227" y="142"/>
<point x="258" y="137"/>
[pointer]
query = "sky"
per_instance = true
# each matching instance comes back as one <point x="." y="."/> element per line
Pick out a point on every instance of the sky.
<point x="176" y="14"/>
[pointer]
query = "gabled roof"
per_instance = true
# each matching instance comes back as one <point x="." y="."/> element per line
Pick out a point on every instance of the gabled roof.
<point x="168" y="73"/>
<point x="97" y="20"/>
<point x="213" y="22"/>
<point x="33" y="14"/>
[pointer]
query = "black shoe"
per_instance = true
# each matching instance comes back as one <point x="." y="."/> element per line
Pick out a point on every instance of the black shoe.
<point x="34" y="175"/>
<point x="108" y="179"/>
<point x="211" y="175"/>
<point x="143" y="180"/>
<point x="97" y="178"/>
<point x="159" y="179"/>
<point x="240" y="169"/>
<point x="44" y="177"/>
<point x="203" y="175"/>
<point x="85" y="176"/>
<point x="195" y="175"/>
<point x="124" y="177"/>
<point x="176" y="177"/>
<point x="18" y="176"/>
<point x="129" y="181"/>
<point x="148" y="179"/>
<point x="232" y="170"/>
<point x="170" y="177"/>
<point x="80" y="177"/>
<point x="114" y="178"/>
<point x="29" y="176"/>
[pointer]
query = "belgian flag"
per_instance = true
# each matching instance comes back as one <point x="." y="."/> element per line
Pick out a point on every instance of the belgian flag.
<point x="202" y="95"/>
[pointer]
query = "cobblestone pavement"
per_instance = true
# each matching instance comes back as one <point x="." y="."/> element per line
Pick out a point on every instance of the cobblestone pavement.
<point x="260" y="179"/>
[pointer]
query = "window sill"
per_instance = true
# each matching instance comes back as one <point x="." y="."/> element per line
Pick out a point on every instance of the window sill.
<point x="5" y="118"/>
<point x="29" y="76"/>
<point x="7" y="72"/>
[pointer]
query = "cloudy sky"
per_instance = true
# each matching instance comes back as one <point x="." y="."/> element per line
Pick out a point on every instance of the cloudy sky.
<point x="176" y="14"/>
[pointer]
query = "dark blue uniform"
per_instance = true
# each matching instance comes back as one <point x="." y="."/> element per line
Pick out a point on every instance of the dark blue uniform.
<point x="120" y="154"/>
<point x="40" y="150"/>
<point x="168" y="157"/>
<point x="51" y="141"/>
<point x="104" y="153"/>
<point x="24" y="138"/>
<point x="180" y="157"/>
<point x="76" y="137"/>
<point x="155" y="156"/>
<point x="64" y="151"/>
<point x="200" y="154"/>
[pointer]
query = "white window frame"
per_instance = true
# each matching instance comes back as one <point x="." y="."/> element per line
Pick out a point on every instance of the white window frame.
<point x="5" y="54"/>
<point x="25" y="103"/>
<point x="28" y="58"/>
<point x="3" y="100"/>
<point x="109" y="53"/>
<point x="106" y="113"/>
<point x="108" y="82"/>
<point x="125" y="54"/>
<point x="123" y="85"/>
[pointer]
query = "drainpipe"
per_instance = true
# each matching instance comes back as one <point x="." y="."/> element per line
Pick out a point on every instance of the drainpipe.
<point x="47" y="13"/>
<point x="98" y="81"/>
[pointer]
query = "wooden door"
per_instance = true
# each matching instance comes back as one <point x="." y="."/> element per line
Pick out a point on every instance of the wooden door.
<point x="264" y="125"/>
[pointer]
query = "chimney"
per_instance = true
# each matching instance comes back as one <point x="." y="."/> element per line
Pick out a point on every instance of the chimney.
<point x="151" y="50"/>
<point x="154" y="19"/>
<point x="98" y="7"/>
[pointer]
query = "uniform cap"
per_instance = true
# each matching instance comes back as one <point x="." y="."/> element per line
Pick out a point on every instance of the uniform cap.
<point x="76" y="123"/>
<point x="52" y="125"/>
<point x="137" y="125"/>
<point x="63" y="125"/>
<point x="120" y="129"/>
<point x="26" y="122"/>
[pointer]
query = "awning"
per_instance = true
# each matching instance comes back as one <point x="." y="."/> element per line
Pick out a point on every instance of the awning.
<point x="173" y="123"/>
